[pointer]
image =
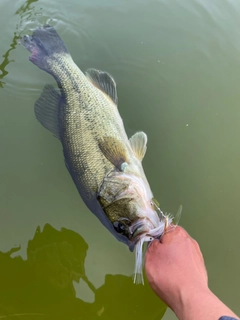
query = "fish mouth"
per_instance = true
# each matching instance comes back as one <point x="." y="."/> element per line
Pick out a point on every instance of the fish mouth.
<point x="133" y="231"/>
<point x="139" y="229"/>
<point x="145" y="229"/>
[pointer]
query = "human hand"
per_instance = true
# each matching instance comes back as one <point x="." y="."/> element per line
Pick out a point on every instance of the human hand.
<point x="176" y="272"/>
<point x="175" y="266"/>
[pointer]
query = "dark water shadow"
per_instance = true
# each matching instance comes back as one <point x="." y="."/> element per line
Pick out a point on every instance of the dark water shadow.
<point x="42" y="285"/>
<point x="22" y="11"/>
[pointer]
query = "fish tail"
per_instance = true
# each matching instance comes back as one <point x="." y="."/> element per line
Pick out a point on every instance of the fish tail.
<point x="43" y="45"/>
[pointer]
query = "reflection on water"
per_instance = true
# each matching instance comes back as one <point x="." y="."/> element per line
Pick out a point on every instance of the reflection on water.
<point x="25" y="8"/>
<point x="42" y="285"/>
<point x="6" y="60"/>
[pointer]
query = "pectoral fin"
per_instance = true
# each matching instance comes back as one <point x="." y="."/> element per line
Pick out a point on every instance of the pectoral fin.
<point x="103" y="81"/>
<point x="46" y="109"/>
<point x="114" y="151"/>
<point x="138" y="143"/>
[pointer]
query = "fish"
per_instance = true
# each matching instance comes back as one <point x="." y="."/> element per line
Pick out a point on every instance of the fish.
<point x="105" y="165"/>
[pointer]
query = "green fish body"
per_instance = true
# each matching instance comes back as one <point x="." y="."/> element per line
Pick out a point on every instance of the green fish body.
<point x="104" y="164"/>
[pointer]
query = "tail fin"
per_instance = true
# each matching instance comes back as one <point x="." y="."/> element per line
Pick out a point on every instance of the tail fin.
<point x="43" y="44"/>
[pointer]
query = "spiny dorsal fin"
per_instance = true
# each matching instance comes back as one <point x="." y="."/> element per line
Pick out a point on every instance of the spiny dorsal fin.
<point x="114" y="151"/>
<point x="103" y="81"/>
<point x="138" y="143"/>
<point x="46" y="109"/>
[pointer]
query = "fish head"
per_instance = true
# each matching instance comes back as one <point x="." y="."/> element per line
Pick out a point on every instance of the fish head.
<point x="128" y="203"/>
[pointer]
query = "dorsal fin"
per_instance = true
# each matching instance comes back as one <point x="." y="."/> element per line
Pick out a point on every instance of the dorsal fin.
<point x="103" y="81"/>
<point x="138" y="143"/>
<point x="114" y="151"/>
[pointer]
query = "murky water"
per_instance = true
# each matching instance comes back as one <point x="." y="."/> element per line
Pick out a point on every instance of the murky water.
<point x="177" y="68"/>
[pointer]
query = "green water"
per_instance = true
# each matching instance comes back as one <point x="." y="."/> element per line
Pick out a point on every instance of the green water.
<point x="177" y="68"/>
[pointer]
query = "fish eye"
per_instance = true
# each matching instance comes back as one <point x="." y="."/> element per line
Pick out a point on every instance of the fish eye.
<point x="119" y="226"/>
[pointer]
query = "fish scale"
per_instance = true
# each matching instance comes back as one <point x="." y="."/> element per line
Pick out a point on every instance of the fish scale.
<point x="69" y="78"/>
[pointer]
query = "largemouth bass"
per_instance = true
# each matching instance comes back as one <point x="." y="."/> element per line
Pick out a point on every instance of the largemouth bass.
<point x="105" y="165"/>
